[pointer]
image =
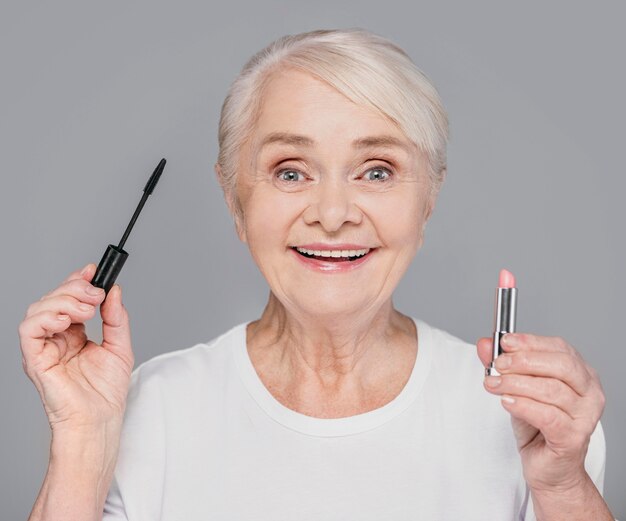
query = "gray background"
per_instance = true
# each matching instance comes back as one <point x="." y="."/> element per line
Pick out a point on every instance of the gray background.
<point x="93" y="95"/>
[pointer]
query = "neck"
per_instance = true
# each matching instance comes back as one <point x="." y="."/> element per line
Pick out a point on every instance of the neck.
<point x="308" y="359"/>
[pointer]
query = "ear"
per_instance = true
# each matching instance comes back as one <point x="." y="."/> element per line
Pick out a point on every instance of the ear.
<point x="428" y="210"/>
<point x="430" y="206"/>
<point x="229" y="197"/>
<point x="432" y="199"/>
<point x="239" y="226"/>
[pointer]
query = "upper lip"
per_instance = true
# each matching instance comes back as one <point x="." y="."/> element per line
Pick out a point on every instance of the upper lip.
<point x="340" y="246"/>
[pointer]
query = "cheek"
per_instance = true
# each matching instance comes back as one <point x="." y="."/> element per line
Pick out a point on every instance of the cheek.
<point x="398" y="218"/>
<point x="270" y="215"/>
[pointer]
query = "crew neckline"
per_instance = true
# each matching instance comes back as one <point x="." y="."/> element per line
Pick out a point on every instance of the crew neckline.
<point x="327" y="427"/>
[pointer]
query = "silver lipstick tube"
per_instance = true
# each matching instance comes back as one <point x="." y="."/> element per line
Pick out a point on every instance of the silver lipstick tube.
<point x="505" y="313"/>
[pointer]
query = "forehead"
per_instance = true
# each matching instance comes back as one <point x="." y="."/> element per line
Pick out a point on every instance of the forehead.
<point x="301" y="110"/>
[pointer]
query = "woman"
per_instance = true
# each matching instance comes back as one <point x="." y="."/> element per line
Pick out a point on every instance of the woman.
<point x="333" y="404"/>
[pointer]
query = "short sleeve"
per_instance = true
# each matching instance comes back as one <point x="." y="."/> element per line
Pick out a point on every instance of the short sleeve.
<point x="595" y="464"/>
<point x="138" y="478"/>
<point x="114" y="506"/>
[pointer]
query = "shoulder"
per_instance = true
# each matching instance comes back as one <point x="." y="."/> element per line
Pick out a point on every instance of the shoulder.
<point x="456" y="379"/>
<point x="188" y="367"/>
<point x="174" y="398"/>
<point x="450" y="353"/>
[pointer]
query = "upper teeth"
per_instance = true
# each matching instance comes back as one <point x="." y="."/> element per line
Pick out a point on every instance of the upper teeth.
<point x="334" y="253"/>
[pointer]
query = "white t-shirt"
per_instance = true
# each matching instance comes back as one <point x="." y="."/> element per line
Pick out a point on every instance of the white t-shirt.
<point x="203" y="439"/>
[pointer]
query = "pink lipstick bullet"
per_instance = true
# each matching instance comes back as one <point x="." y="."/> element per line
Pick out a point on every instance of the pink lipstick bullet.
<point x="505" y="312"/>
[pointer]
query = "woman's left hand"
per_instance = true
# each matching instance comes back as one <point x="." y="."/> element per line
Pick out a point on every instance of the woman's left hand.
<point x="557" y="403"/>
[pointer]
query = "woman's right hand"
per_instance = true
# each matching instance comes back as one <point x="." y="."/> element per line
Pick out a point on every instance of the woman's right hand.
<point x="81" y="384"/>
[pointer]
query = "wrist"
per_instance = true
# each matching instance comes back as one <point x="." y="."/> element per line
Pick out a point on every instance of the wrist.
<point x="565" y="488"/>
<point x="84" y="458"/>
<point x="91" y="448"/>
<point x="580" y="499"/>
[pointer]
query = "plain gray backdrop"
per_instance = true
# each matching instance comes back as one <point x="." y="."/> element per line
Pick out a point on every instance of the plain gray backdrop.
<point x="94" y="94"/>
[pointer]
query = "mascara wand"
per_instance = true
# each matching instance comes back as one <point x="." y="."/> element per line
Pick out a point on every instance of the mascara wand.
<point x="114" y="257"/>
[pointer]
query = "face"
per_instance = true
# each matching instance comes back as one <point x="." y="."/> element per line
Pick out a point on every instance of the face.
<point x="326" y="175"/>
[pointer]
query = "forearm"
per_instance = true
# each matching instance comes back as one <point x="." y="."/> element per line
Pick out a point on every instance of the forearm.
<point x="79" y="475"/>
<point x="580" y="504"/>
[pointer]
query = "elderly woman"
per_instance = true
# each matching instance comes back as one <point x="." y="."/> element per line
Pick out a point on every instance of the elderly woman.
<point x="333" y="404"/>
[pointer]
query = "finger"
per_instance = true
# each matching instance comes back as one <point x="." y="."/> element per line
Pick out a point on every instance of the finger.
<point x="556" y="426"/>
<point x="545" y="390"/>
<point x="64" y="304"/>
<point x="485" y="350"/>
<point x="72" y="340"/>
<point x="525" y="341"/>
<point x="562" y="366"/>
<point x="80" y="289"/>
<point x="86" y="273"/>
<point x="115" y="324"/>
<point x="36" y="328"/>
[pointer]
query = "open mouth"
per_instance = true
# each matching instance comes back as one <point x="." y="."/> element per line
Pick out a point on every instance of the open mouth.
<point x="334" y="256"/>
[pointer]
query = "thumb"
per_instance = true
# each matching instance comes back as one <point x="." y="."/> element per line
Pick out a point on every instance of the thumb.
<point x="115" y="324"/>
<point x="484" y="346"/>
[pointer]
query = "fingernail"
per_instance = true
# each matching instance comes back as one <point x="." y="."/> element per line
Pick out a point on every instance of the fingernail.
<point x="62" y="317"/>
<point x="510" y="340"/>
<point x="493" y="381"/>
<point x="85" y="307"/>
<point x="507" y="398"/>
<point x="85" y="270"/>
<point x="92" y="290"/>
<point x="503" y="362"/>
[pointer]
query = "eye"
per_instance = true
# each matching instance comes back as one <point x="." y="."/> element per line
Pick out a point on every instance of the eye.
<point x="289" y="175"/>
<point x="380" y="174"/>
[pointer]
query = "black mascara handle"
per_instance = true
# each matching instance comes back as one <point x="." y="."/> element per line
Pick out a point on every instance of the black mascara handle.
<point x="109" y="268"/>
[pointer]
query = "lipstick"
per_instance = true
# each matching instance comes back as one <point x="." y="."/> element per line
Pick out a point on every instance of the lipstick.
<point x="505" y="312"/>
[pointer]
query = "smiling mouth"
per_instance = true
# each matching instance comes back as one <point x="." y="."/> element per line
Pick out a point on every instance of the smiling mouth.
<point x="334" y="256"/>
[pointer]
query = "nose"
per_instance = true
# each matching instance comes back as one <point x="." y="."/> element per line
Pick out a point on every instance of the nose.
<point x="332" y="205"/>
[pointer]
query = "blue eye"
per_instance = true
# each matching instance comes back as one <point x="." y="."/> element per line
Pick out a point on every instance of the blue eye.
<point x="382" y="174"/>
<point x="289" y="175"/>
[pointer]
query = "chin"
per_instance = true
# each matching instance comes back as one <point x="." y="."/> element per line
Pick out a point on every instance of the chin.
<point x="333" y="306"/>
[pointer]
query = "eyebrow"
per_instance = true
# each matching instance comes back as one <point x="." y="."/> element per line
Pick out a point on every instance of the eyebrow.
<point x="286" y="138"/>
<point x="364" y="142"/>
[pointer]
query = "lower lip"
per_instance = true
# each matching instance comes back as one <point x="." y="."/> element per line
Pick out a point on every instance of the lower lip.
<point x="330" y="266"/>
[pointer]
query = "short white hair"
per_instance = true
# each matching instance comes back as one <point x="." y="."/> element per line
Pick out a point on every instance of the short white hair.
<point x="365" y="67"/>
